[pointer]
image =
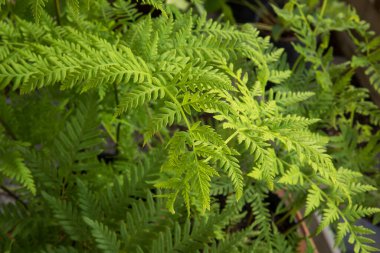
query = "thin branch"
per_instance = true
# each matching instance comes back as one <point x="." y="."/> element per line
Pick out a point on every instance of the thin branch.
<point x="118" y="117"/>
<point x="8" y="130"/>
<point x="58" y="11"/>
<point x="14" y="196"/>
<point x="295" y="225"/>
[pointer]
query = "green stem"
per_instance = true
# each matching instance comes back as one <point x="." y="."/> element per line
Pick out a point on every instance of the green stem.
<point x="225" y="142"/>
<point x="304" y="17"/>
<point x="173" y="98"/>
<point x="231" y="137"/>
<point x="58" y="11"/>
<point x="283" y="218"/>
<point x="8" y="130"/>
<point x="150" y="117"/>
<point x="295" y="65"/>
<point x="14" y="196"/>
<point x="118" y="117"/>
<point x="294" y="226"/>
<point x="323" y="8"/>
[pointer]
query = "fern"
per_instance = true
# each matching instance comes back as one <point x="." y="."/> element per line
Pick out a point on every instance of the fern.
<point x="170" y="131"/>
<point x="37" y="8"/>
<point x="67" y="216"/>
<point x="105" y="238"/>
<point x="140" y="95"/>
<point x="12" y="165"/>
<point x="88" y="202"/>
<point x="73" y="7"/>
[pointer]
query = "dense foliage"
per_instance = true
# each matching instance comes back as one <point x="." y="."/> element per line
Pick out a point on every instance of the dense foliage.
<point x="140" y="127"/>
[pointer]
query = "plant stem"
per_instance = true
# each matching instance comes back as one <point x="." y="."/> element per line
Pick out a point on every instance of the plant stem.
<point x="58" y="11"/>
<point x="118" y="117"/>
<point x="13" y="195"/>
<point x="294" y="226"/>
<point x="231" y="137"/>
<point x="323" y="8"/>
<point x="225" y="142"/>
<point x="8" y="130"/>
<point x="295" y="65"/>
<point x="158" y="133"/>
<point x="173" y="98"/>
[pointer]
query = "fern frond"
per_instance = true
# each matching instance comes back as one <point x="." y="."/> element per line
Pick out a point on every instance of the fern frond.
<point x="195" y="235"/>
<point x="221" y="186"/>
<point x="357" y="211"/>
<point x="313" y="200"/>
<point x="122" y="12"/>
<point x="88" y="202"/>
<point x="342" y="230"/>
<point x="357" y="188"/>
<point x="67" y="216"/>
<point x="207" y="134"/>
<point x="234" y="243"/>
<point x="255" y="197"/>
<point x="330" y="215"/>
<point x="369" y="109"/>
<point x="73" y="6"/>
<point x="201" y="77"/>
<point x="205" y="47"/>
<point x="139" y="96"/>
<point x="90" y="65"/>
<point x="106" y="239"/>
<point x="12" y="165"/>
<point x="144" y="219"/>
<point x="285" y="99"/>
<point x="361" y="242"/>
<point x="167" y="116"/>
<point x="37" y="8"/>
<point x="204" y="172"/>
<point x="79" y="141"/>
<point x="267" y="170"/>
<point x="228" y="163"/>
<point x="278" y="77"/>
<point x="293" y="176"/>
<point x="13" y="216"/>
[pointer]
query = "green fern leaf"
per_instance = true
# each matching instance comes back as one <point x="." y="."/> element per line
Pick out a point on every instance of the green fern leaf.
<point x="167" y="116"/>
<point x="358" y="211"/>
<point x="359" y="241"/>
<point x="313" y="200"/>
<point x="67" y="216"/>
<point x="279" y="76"/>
<point x="37" y="8"/>
<point x="106" y="239"/>
<point x="139" y="96"/>
<point x="73" y="6"/>
<point x="12" y="165"/>
<point x="374" y="76"/>
<point x="342" y="230"/>
<point x="293" y="176"/>
<point x="285" y="99"/>
<point x="330" y="214"/>
<point x="88" y="202"/>
<point x="204" y="172"/>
